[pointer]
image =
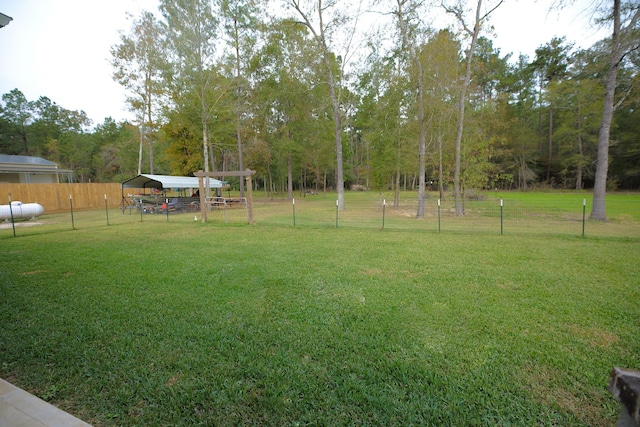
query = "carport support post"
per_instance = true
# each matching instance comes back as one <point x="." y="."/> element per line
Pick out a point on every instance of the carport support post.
<point x="203" y="207"/>
<point x="249" y="196"/>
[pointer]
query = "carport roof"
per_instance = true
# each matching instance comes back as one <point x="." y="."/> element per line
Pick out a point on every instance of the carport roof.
<point x="167" y="181"/>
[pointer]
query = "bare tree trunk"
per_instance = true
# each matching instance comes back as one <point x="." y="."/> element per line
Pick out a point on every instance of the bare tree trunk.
<point x="463" y="93"/>
<point x="150" y="139"/>
<point x="396" y="197"/>
<point x="550" y="145"/>
<point x="290" y="177"/>
<point x="422" y="144"/>
<point x="598" y="210"/>
<point x="523" y="173"/>
<point x="580" y="166"/>
<point x="265" y="186"/>
<point x="324" y="182"/>
<point x="140" y="148"/>
<point x="320" y="38"/>
<point x="151" y="154"/>
<point x="338" y="122"/>
<point x="440" y="168"/>
<point x="238" y="104"/>
<point x="205" y="132"/>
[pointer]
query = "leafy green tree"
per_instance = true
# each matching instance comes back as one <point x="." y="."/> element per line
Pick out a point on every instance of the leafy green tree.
<point x="457" y="10"/>
<point x="383" y="125"/>
<point x="10" y="142"/>
<point x="18" y="114"/>
<point x="114" y="158"/>
<point x="183" y="128"/>
<point x="75" y="151"/>
<point x="289" y="105"/>
<point x="522" y="124"/>
<point x="551" y="66"/>
<point x="139" y="63"/>
<point x="47" y="125"/>
<point x="194" y="39"/>
<point x="441" y="59"/>
<point x="240" y="22"/>
<point x="406" y="16"/>
<point x="324" y="19"/>
<point x="578" y="104"/>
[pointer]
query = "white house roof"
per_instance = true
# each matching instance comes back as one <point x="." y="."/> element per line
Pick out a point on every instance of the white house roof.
<point x="15" y="164"/>
<point x="167" y="181"/>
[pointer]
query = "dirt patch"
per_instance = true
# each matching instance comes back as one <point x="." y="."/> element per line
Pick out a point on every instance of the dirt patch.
<point x="32" y="272"/>
<point x="5" y="225"/>
<point x="595" y="336"/>
<point x="171" y="381"/>
<point x="584" y="404"/>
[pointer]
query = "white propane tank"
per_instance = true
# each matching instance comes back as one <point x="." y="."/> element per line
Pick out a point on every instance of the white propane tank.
<point x="20" y="211"/>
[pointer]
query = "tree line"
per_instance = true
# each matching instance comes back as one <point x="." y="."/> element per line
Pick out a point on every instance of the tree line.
<point x="317" y="95"/>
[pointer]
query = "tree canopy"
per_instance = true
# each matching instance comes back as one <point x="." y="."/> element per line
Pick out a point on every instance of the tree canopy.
<point x="313" y="100"/>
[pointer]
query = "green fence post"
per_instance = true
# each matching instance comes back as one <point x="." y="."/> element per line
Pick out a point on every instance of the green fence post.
<point x="501" y="218"/>
<point x="337" y="213"/>
<point x="584" y="214"/>
<point x="384" y="206"/>
<point x="438" y="215"/>
<point x="13" y="223"/>
<point x="73" y="225"/>
<point x="293" y="201"/>
<point x="106" y="208"/>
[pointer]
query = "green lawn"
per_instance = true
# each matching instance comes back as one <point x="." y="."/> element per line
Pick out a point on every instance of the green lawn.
<point x="176" y="322"/>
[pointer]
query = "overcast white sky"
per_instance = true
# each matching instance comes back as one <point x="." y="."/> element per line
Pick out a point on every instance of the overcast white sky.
<point x="60" y="48"/>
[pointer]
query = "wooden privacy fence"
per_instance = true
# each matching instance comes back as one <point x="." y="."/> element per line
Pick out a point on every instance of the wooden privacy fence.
<point x="54" y="198"/>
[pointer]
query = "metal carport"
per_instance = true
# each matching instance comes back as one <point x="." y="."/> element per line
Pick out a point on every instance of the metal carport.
<point x="166" y="182"/>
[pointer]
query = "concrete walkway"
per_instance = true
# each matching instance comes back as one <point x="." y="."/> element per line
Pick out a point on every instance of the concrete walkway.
<point x="21" y="409"/>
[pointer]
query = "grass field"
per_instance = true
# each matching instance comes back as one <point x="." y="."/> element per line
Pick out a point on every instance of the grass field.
<point x="175" y="322"/>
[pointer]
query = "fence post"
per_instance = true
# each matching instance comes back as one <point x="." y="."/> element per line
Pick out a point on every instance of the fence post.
<point x="337" y="213"/>
<point x="501" y="218"/>
<point x="73" y="224"/>
<point x="249" y="185"/>
<point x="294" y="211"/>
<point x="106" y="208"/>
<point x="584" y="214"/>
<point x="384" y="206"/>
<point x="438" y="215"/>
<point x="13" y="224"/>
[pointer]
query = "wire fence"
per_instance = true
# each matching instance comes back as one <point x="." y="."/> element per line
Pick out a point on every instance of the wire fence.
<point x="556" y="214"/>
<point x="234" y="213"/>
<point x="507" y="214"/>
